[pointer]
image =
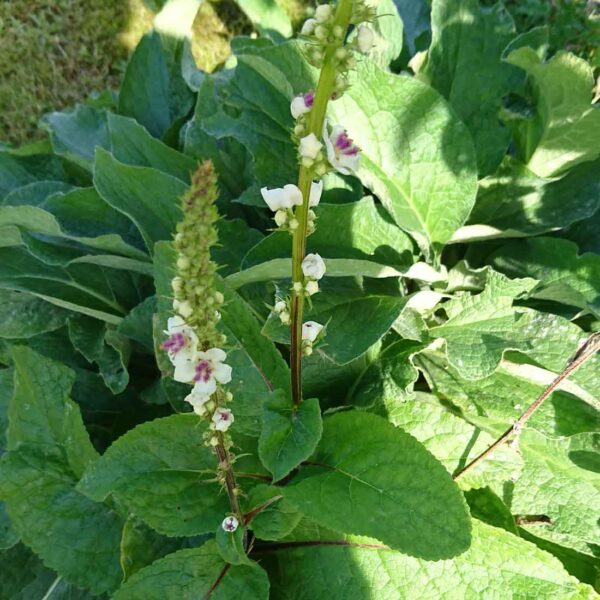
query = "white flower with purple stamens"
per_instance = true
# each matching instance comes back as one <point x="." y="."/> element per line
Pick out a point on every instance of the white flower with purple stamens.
<point x="342" y="153"/>
<point x="302" y="104"/>
<point x="209" y="369"/>
<point x="230" y="524"/>
<point x="222" y="419"/>
<point x="281" y="198"/>
<point x="181" y="346"/>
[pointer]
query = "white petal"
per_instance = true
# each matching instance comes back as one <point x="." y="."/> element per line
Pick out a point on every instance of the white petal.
<point x="222" y="373"/>
<point x="298" y="107"/>
<point x="293" y="195"/>
<point x="184" y="371"/>
<point x="175" y="325"/>
<point x="310" y="146"/>
<point x="313" y="266"/>
<point x="365" y="39"/>
<point x="274" y="198"/>
<point x="206" y="387"/>
<point x="215" y="355"/>
<point x="310" y="330"/>
<point x="348" y="163"/>
<point x="316" y="189"/>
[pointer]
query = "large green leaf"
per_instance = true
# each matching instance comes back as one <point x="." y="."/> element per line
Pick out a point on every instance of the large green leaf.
<point x="416" y="19"/>
<point x="196" y="573"/>
<point x="147" y="196"/>
<point x="268" y="17"/>
<point x="516" y="203"/>
<point x="48" y="450"/>
<point x="564" y="275"/>
<point x="288" y="435"/>
<point x="164" y="473"/>
<point x="153" y="90"/>
<point x="497" y="565"/>
<point x="566" y="128"/>
<point x="464" y="65"/>
<point x="416" y="155"/>
<point x="369" y="478"/>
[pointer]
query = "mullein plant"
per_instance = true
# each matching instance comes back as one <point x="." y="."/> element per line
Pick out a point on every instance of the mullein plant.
<point x="322" y="147"/>
<point x="194" y="344"/>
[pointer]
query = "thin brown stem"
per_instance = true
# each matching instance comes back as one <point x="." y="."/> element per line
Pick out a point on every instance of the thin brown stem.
<point x="256" y="511"/>
<point x="230" y="485"/>
<point x="587" y="350"/>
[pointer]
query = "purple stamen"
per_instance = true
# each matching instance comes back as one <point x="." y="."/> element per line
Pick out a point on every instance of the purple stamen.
<point x="203" y="371"/>
<point x="174" y="343"/>
<point x="345" y="145"/>
<point x="309" y="99"/>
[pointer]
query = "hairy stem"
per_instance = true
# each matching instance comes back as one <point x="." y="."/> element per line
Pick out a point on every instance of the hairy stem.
<point x="323" y="94"/>
<point x="586" y="351"/>
<point x="230" y="485"/>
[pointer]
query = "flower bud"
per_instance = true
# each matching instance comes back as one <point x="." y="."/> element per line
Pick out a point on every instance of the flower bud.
<point x="308" y="27"/>
<point x="298" y="287"/>
<point x="311" y="330"/>
<point x="313" y="266"/>
<point x="280" y="306"/>
<point x="219" y="298"/>
<point x="323" y="12"/>
<point x="365" y="39"/>
<point x="311" y="287"/>
<point x="310" y="146"/>
<point x="281" y="217"/>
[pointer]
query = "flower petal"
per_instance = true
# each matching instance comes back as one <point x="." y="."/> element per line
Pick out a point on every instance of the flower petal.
<point x="274" y="198"/>
<point x="316" y="189"/>
<point x="206" y="387"/>
<point x="215" y="355"/>
<point x="184" y="370"/>
<point x="222" y="373"/>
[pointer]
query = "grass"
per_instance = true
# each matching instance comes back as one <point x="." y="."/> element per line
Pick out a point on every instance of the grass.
<point x="55" y="53"/>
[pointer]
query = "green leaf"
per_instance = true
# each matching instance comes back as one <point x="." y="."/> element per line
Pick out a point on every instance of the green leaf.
<point x="369" y="478"/>
<point x="236" y="239"/>
<point x="196" y="573"/>
<point x="16" y="171"/>
<point x="8" y="536"/>
<point x="424" y="172"/>
<point x="141" y="546"/>
<point x="148" y="197"/>
<point x="131" y="144"/>
<point x="560" y="480"/>
<point x="167" y="456"/>
<point x="481" y="328"/>
<point x="516" y="203"/>
<point x="48" y="450"/>
<point x="464" y="65"/>
<point x="564" y="276"/>
<point x="231" y="546"/>
<point x="23" y="315"/>
<point x="103" y="347"/>
<point x="77" y="133"/>
<point x="24" y="576"/>
<point x="489" y="508"/>
<point x="288" y="436"/>
<point x="153" y="90"/>
<point x="268" y="17"/>
<point x="416" y="20"/>
<point x="497" y="564"/>
<point x="275" y="520"/>
<point x="566" y="127"/>
<point x="388" y="32"/>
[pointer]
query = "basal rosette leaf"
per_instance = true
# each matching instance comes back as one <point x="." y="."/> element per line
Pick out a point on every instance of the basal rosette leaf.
<point x="196" y="573"/>
<point x="497" y="564"/>
<point x="48" y="450"/>
<point x="369" y="478"/>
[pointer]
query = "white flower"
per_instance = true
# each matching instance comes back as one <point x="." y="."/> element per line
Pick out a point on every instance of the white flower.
<point x="230" y="524"/>
<point x="222" y="418"/>
<point x="313" y="266"/>
<point x="365" y="39"/>
<point x="197" y="400"/>
<point x="302" y="104"/>
<point x="311" y="330"/>
<point x="181" y="346"/>
<point x="343" y="155"/>
<point x="312" y="287"/>
<point x="310" y="146"/>
<point x="316" y="189"/>
<point x="323" y="12"/>
<point x="207" y="369"/>
<point x="281" y="198"/>
<point x="308" y="27"/>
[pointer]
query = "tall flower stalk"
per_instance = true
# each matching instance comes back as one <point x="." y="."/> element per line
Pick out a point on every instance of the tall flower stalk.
<point x="319" y="151"/>
<point x="195" y="344"/>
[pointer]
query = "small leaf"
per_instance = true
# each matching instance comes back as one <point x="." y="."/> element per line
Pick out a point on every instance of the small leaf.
<point x="369" y="478"/>
<point x="276" y="518"/>
<point x="196" y="573"/>
<point x="288" y="436"/>
<point x="231" y="546"/>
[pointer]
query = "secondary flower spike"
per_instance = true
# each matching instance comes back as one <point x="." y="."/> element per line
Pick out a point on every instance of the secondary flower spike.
<point x="342" y="153"/>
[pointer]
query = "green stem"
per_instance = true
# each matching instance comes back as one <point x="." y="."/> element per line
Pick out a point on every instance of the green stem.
<point x="317" y="114"/>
